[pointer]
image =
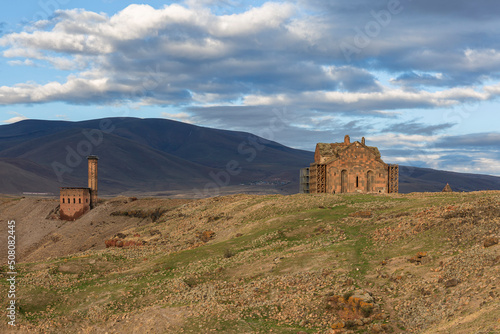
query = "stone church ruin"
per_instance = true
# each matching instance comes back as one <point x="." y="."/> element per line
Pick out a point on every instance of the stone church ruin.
<point x="349" y="168"/>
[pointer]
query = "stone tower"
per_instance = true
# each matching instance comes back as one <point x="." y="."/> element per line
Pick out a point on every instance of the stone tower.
<point x="93" y="179"/>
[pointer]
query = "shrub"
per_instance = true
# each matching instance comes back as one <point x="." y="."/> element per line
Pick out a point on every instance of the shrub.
<point x="228" y="253"/>
<point x="205" y="236"/>
<point x="349" y="324"/>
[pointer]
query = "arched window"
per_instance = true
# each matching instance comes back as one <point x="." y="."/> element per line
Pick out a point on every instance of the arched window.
<point x="63" y="200"/>
<point x="69" y="200"/>
<point x="80" y="201"/>
<point x="74" y="200"/>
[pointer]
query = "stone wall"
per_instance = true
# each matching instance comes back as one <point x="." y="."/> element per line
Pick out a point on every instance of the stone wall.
<point x="74" y="202"/>
<point x="348" y="168"/>
<point x="360" y="170"/>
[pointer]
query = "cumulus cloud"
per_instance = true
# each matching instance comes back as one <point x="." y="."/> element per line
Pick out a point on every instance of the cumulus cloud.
<point x="233" y="68"/>
<point x="470" y="153"/>
<point x="362" y="102"/>
<point x="272" y="54"/>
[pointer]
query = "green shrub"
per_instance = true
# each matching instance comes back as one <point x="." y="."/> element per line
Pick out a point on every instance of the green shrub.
<point x="228" y="253"/>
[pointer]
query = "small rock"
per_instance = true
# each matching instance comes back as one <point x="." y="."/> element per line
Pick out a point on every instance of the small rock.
<point x="338" y="325"/>
<point x="491" y="241"/>
<point x="120" y="235"/>
<point x="154" y="232"/>
<point x="363" y="295"/>
<point x="451" y="283"/>
<point x="377" y="328"/>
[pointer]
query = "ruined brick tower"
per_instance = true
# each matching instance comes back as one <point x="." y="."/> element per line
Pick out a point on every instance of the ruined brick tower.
<point x="92" y="159"/>
<point x="75" y="202"/>
<point x="350" y="168"/>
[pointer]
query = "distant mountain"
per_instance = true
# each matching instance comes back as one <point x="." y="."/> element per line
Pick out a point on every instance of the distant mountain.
<point x="414" y="179"/>
<point x="145" y="155"/>
<point x="20" y="175"/>
<point x="160" y="155"/>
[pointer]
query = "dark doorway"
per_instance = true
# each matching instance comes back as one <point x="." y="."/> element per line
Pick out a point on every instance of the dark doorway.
<point x="343" y="181"/>
<point x="369" y="181"/>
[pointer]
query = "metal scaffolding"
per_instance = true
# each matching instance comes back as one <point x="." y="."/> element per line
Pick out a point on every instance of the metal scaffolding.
<point x="304" y="181"/>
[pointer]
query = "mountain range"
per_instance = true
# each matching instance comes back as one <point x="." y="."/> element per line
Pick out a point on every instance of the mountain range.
<point x="161" y="156"/>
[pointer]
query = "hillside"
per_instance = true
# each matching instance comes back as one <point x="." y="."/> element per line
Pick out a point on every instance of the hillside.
<point x="416" y="263"/>
<point x="415" y="179"/>
<point x="151" y="155"/>
<point x="160" y="157"/>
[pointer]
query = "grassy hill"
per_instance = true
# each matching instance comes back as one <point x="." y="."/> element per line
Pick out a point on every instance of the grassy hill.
<point x="417" y="263"/>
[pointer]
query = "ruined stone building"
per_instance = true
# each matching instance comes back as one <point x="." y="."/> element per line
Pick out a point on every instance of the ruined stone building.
<point x="349" y="168"/>
<point x="75" y="202"/>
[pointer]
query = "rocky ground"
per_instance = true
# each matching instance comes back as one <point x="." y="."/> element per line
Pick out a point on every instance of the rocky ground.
<point x="416" y="263"/>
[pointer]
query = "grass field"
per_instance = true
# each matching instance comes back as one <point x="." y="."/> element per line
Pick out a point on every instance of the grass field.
<point x="286" y="264"/>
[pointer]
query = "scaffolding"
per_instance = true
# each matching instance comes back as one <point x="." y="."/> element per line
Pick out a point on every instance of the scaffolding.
<point x="304" y="181"/>
<point x="393" y="179"/>
<point x="317" y="178"/>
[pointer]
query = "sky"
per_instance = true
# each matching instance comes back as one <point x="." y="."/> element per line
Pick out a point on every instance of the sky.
<point x="418" y="79"/>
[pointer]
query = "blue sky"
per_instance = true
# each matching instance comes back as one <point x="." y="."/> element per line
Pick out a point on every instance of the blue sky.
<point x="418" y="79"/>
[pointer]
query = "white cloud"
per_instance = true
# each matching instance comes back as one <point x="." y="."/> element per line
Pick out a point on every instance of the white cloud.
<point x="274" y="54"/>
<point x="181" y="117"/>
<point x="389" y="98"/>
<point x="402" y="140"/>
<point x="26" y="62"/>
<point x="19" y="117"/>
<point x="269" y="16"/>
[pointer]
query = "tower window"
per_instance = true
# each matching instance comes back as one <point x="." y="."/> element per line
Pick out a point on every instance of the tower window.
<point x="74" y="200"/>
<point x="80" y="201"/>
<point x="357" y="181"/>
<point x="69" y="200"/>
<point x="63" y="200"/>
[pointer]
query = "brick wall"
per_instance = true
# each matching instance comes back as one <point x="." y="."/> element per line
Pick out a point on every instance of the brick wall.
<point x="74" y="202"/>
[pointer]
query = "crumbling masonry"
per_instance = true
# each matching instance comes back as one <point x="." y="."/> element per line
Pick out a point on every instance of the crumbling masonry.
<point x="349" y="168"/>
